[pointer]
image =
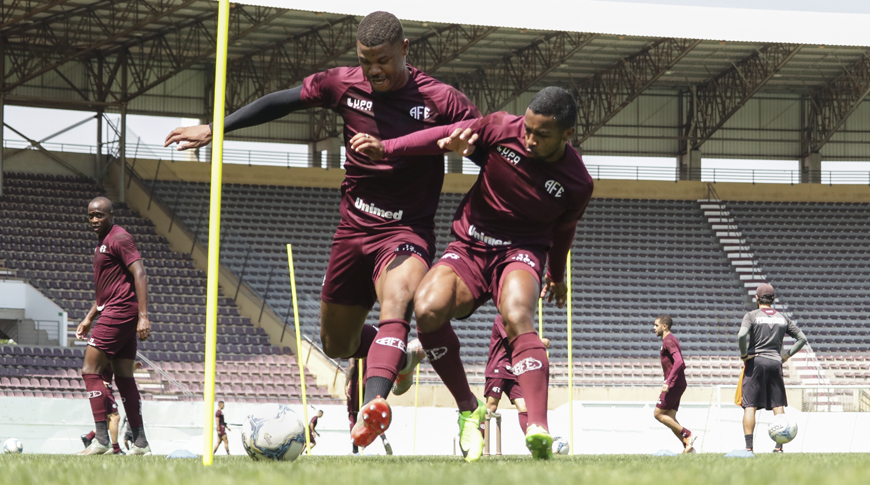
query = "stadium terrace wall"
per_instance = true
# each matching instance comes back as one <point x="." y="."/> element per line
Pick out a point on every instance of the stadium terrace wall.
<point x="460" y="183"/>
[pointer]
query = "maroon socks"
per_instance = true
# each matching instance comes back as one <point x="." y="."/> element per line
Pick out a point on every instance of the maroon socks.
<point x="442" y="349"/>
<point x="96" y="390"/>
<point x="685" y="433"/>
<point x="532" y="368"/>
<point x="387" y="352"/>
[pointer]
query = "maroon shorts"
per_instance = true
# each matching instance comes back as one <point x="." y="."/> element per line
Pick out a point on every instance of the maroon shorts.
<point x="483" y="269"/>
<point x="495" y="386"/>
<point x="222" y="431"/>
<point x="357" y="260"/>
<point x="116" y="337"/>
<point x="671" y="399"/>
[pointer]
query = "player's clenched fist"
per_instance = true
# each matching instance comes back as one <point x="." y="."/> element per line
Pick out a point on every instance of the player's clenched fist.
<point x="189" y="137"/>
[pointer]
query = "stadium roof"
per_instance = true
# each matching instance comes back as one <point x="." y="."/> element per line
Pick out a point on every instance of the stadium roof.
<point x="833" y="23"/>
<point x="155" y="57"/>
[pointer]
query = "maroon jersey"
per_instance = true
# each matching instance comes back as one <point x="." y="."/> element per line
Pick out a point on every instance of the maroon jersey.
<point x="516" y="201"/>
<point x="313" y="423"/>
<point x="395" y="191"/>
<point x="115" y="286"/>
<point x="498" y="364"/>
<point x="673" y="367"/>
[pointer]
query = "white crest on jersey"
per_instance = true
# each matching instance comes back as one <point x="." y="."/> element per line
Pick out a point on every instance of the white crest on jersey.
<point x="554" y="188"/>
<point x="420" y="112"/>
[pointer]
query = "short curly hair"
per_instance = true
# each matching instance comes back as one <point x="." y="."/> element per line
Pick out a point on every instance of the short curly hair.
<point x="378" y="28"/>
<point x="558" y="103"/>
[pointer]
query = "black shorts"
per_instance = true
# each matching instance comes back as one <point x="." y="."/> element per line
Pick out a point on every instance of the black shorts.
<point x="763" y="385"/>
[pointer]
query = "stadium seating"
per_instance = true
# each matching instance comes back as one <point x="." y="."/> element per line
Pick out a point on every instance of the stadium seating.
<point x="45" y="239"/>
<point x="815" y="255"/>
<point x="632" y="260"/>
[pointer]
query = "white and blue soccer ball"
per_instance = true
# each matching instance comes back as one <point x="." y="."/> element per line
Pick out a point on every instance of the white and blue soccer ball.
<point x="561" y="446"/>
<point x="273" y="432"/>
<point x="12" y="445"/>
<point x="783" y="428"/>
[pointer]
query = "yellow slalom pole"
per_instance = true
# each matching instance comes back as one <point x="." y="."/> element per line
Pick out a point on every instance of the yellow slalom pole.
<point x="570" y="366"/>
<point x="214" y="230"/>
<point x="299" y="347"/>
<point x="359" y="366"/>
<point x="416" y="399"/>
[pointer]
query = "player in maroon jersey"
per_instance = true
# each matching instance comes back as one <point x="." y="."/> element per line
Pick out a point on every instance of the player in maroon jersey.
<point x="386" y="239"/>
<point x="499" y="378"/>
<point x="122" y="304"/>
<point x="222" y="428"/>
<point x="312" y="430"/>
<point x="532" y="190"/>
<point x="674" y="369"/>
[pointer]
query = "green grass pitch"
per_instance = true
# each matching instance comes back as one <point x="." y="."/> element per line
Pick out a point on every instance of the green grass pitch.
<point x="766" y="469"/>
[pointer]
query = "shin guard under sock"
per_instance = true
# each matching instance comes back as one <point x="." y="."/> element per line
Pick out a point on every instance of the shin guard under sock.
<point x="530" y="364"/>
<point x="387" y="353"/>
<point x="96" y="395"/>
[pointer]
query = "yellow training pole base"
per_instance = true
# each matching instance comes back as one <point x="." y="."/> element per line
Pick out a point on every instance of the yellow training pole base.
<point x="299" y="347"/>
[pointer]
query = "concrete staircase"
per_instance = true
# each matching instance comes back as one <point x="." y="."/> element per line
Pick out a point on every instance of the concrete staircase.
<point x="809" y="370"/>
<point x="743" y="261"/>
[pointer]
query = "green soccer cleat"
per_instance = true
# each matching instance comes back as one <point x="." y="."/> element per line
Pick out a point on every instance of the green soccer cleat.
<point x="539" y="442"/>
<point x="470" y="439"/>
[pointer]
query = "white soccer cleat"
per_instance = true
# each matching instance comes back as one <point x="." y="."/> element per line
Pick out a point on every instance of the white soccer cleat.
<point x="95" y="448"/>
<point x="414" y="355"/>
<point x="135" y="450"/>
<point x="690" y="445"/>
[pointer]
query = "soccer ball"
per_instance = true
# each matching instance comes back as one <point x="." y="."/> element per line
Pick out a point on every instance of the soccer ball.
<point x="12" y="445"/>
<point x="561" y="446"/>
<point x="273" y="432"/>
<point x="783" y="428"/>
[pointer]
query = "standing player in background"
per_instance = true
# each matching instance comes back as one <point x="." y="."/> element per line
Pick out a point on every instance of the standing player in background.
<point x="760" y="341"/>
<point x="531" y="192"/>
<point x="122" y="302"/>
<point x="222" y="428"/>
<point x="674" y="369"/>
<point x="112" y="415"/>
<point x="499" y="378"/>
<point x="312" y="430"/>
<point x="386" y="238"/>
<point x="351" y="390"/>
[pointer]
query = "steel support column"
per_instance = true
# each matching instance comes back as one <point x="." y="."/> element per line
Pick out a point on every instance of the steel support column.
<point x="122" y="154"/>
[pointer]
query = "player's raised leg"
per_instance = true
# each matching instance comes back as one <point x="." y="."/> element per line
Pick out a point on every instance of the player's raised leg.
<point x="443" y="295"/>
<point x="396" y="282"/>
<point x="519" y="292"/>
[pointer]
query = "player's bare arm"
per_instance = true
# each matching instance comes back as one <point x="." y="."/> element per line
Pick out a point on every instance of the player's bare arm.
<point x="546" y="342"/>
<point x="143" y="328"/>
<point x="85" y="325"/>
<point x="368" y="146"/>
<point x="188" y="137"/>
<point x="460" y="141"/>
<point x="552" y="290"/>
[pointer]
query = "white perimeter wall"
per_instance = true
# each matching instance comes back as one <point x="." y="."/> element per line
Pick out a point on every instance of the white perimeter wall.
<point x="54" y="426"/>
<point x="18" y="295"/>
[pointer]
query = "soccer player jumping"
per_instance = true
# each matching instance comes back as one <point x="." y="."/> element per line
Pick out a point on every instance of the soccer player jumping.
<point x="386" y="238"/>
<point x="760" y="341"/>
<point x="532" y="190"/>
<point x="122" y="302"/>
<point x="674" y="369"/>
